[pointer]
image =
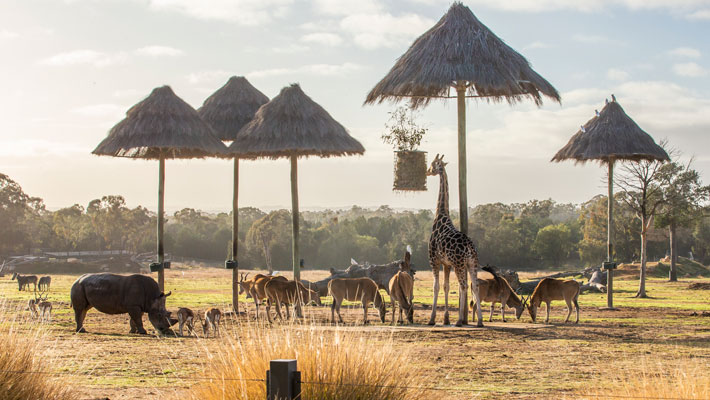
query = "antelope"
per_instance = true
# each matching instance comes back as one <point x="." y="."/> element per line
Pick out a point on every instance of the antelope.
<point x="186" y="317"/>
<point x="258" y="289"/>
<point x="287" y="292"/>
<point x="497" y="290"/>
<point x="44" y="283"/>
<point x="44" y="306"/>
<point x="401" y="288"/>
<point x="212" y="317"/>
<point x="25" y="280"/>
<point x="354" y="289"/>
<point x="554" y="289"/>
<point x="32" y="306"/>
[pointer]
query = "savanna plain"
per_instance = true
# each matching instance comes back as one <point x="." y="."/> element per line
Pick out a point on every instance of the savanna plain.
<point x="657" y="347"/>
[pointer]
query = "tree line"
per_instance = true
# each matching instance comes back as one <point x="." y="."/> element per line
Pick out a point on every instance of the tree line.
<point x="538" y="234"/>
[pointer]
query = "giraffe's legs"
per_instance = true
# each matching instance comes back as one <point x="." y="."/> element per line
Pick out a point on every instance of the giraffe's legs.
<point x="462" y="299"/>
<point x="474" y="287"/>
<point x="447" y="273"/>
<point x="435" y="271"/>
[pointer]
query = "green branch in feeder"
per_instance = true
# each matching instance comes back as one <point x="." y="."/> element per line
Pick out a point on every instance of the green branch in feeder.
<point x="403" y="133"/>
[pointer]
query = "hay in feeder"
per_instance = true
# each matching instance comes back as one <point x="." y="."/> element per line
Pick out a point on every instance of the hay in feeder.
<point x="409" y="171"/>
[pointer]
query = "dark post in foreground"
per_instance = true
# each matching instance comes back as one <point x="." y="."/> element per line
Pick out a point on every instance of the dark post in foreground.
<point x="283" y="380"/>
<point x="235" y="239"/>
<point x="161" y="218"/>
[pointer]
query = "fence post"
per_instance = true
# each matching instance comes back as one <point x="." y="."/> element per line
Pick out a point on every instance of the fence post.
<point x="283" y="380"/>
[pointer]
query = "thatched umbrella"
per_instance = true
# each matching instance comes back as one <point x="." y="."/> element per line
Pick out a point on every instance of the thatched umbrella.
<point x="609" y="136"/>
<point x="160" y="127"/>
<point x="227" y="110"/>
<point x="460" y="52"/>
<point x="290" y="126"/>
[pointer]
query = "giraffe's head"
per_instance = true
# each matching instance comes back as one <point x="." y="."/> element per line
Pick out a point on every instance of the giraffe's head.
<point x="437" y="166"/>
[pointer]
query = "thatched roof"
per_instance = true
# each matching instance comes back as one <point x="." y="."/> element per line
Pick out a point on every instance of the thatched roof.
<point x="460" y="49"/>
<point x="611" y="134"/>
<point x="161" y="124"/>
<point x="231" y="107"/>
<point x="293" y="124"/>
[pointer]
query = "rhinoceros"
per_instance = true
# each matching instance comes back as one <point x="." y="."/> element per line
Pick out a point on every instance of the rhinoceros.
<point x="119" y="294"/>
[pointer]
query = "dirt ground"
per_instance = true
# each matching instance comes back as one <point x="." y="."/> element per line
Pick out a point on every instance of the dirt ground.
<point x="516" y="359"/>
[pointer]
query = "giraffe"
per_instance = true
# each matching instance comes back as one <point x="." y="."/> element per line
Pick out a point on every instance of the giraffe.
<point x="448" y="247"/>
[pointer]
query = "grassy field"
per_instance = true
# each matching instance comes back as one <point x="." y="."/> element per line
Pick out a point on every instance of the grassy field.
<point x="516" y="359"/>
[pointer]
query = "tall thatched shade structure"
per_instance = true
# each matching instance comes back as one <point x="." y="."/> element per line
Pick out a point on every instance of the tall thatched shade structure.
<point x="290" y="126"/>
<point x="460" y="52"/>
<point x="227" y="110"/>
<point x="609" y="136"/>
<point x="160" y="127"/>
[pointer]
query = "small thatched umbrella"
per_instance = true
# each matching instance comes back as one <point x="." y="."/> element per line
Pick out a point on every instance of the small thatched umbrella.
<point x="227" y="110"/>
<point x="609" y="136"/>
<point x="161" y="127"/>
<point x="292" y="125"/>
<point x="460" y="52"/>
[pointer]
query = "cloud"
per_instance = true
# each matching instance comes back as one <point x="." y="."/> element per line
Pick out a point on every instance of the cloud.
<point x="323" y="38"/>
<point x="85" y="57"/>
<point x="290" y="49"/>
<point x="4" y="34"/>
<point x="114" y="111"/>
<point x="591" y="39"/>
<point x="208" y="76"/>
<point x="243" y="12"/>
<point x="340" y="7"/>
<point x="616" y="74"/>
<point x="159" y="51"/>
<point x="685" y="52"/>
<point x="699" y="15"/>
<point x="538" y="45"/>
<point x="689" y="69"/>
<point x="588" y="5"/>
<point x="312" y="69"/>
<point x="372" y="31"/>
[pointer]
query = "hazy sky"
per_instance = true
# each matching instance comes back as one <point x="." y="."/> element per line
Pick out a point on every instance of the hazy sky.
<point x="70" y="70"/>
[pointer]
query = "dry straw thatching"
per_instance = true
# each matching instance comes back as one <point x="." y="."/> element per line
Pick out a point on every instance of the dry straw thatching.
<point x="231" y="107"/>
<point x="459" y="49"/>
<point x="292" y="124"/>
<point x="161" y="125"/>
<point x="410" y="171"/>
<point x="611" y="135"/>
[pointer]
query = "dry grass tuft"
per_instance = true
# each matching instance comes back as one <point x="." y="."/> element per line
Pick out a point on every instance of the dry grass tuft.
<point x="676" y="379"/>
<point x="24" y="374"/>
<point x="337" y="361"/>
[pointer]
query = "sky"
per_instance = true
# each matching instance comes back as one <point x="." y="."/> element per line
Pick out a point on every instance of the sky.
<point x="72" y="68"/>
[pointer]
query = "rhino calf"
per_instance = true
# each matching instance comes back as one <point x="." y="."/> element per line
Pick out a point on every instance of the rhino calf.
<point x="119" y="294"/>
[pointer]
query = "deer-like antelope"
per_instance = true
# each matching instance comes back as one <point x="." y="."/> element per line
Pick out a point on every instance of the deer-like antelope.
<point x="401" y="288"/>
<point x="212" y="318"/>
<point x="364" y="290"/>
<point x="32" y="306"/>
<point x="186" y="317"/>
<point x="25" y="280"/>
<point x="258" y="289"/>
<point x="44" y="283"/>
<point x="497" y="290"/>
<point x="44" y="306"/>
<point x="288" y="292"/>
<point x="554" y="289"/>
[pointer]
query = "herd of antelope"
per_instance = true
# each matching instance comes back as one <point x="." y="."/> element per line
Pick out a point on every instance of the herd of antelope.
<point x="279" y="291"/>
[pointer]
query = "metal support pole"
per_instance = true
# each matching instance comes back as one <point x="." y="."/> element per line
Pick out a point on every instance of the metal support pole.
<point x="294" y="218"/>
<point x="235" y="238"/>
<point x="161" y="217"/>
<point x="283" y="380"/>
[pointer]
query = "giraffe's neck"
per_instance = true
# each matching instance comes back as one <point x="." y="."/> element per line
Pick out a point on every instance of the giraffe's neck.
<point x="442" y="206"/>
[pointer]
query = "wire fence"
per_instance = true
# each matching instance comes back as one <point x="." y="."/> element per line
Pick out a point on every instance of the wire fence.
<point x="421" y="388"/>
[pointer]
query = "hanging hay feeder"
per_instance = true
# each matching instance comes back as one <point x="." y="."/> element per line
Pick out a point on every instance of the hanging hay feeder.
<point x="409" y="170"/>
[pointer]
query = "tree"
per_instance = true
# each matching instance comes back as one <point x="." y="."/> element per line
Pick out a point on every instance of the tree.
<point x="641" y="191"/>
<point x="553" y="243"/>
<point x="269" y="231"/>
<point x="684" y="195"/>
